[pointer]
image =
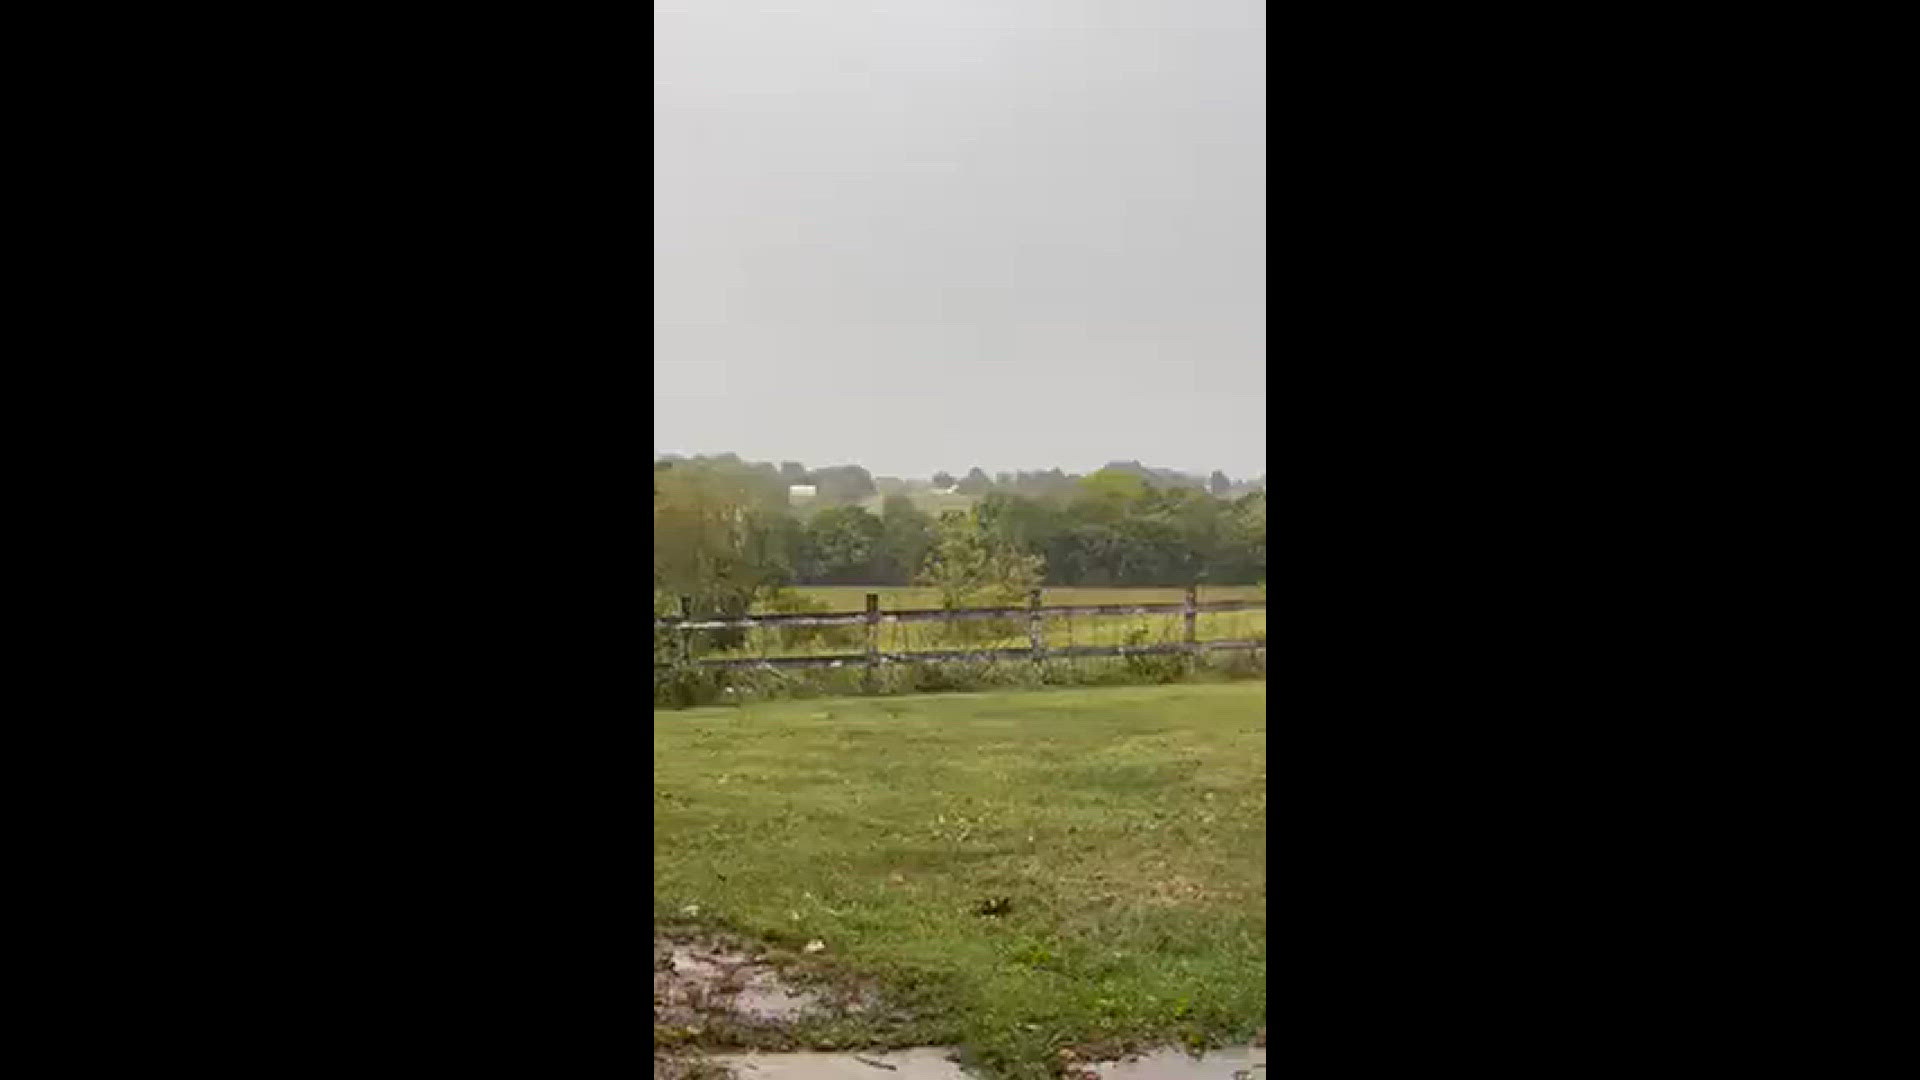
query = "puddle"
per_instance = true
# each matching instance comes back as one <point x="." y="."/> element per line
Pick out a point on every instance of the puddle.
<point x="921" y="1063"/>
<point x="936" y="1063"/>
<point x="695" y="984"/>
<point x="1229" y="1063"/>
<point x="705" y="979"/>
<point x="704" y="991"/>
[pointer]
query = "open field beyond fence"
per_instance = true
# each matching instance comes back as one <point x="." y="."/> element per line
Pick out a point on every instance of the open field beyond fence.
<point x="1057" y="631"/>
<point x="1124" y="828"/>
<point x="911" y="597"/>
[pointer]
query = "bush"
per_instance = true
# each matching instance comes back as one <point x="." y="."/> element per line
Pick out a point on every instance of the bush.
<point x="1153" y="667"/>
<point x="811" y="638"/>
<point x="1243" y="664"/>
<point x="679" y="684"/>
<point x="969" y="673"/>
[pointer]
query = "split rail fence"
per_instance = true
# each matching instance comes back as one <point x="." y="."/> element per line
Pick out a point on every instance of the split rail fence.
<point x="873" y="619"/>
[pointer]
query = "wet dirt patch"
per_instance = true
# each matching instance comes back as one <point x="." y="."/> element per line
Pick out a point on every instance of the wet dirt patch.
<point x="1168" y="1063"/>
<point x="692" y="982"/>
<point x="701" y="982"/>
<point x="715" y="994"/>
<point x="936" y="1063"/>
<point x="923" y="1063"/>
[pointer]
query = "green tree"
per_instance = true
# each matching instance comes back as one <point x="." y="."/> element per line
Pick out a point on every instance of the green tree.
<point x="1108" y="496"/>
<point x="968" y="564"/>
<point x="717" y="527"/>
<point x="976" y="482"/>
<point x="1030" y="523"/>
<point x="1246" y="531"/>
<point x="843" y="484"/>
<point x="907" y="534"/>
<point x="843" y="542"/>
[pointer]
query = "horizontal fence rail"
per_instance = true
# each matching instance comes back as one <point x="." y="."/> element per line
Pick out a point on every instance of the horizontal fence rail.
<point x="873" y="618"/>
<point x="921" y="655"/>
<point x="857" y="618"/>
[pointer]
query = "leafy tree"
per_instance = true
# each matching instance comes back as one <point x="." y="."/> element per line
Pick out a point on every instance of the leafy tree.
<point x="1219" y="485"/>
<point x="907" y="534"/>
<point x="842" y="543"/>
<point x="843" y="484"/>
<point x="726" y="535"/>
<point x="1030" y="523"/>
<point x="943" y="479"/>
<point x="1108" y="496"/>
<point x="1110" y="482"/>
<point x="967" y="563"/>
<point x="1247" y="530"/>
<point x="716" y="527"/>
<point x="1085" y="554"/>
<point x="976" y="483"/>
<point x="1053" y="482"/>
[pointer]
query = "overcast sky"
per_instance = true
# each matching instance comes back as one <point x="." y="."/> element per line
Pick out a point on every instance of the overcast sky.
<point x="931" y="234"/>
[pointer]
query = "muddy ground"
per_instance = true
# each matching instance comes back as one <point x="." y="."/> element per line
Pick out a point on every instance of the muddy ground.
<point x="713" y="994"/>
<point x="723" y="1010"/>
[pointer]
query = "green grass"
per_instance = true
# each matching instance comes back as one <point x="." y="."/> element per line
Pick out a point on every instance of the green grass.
<point x="1126" y="825"/>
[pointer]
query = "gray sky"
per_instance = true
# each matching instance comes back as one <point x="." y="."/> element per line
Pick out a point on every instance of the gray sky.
<point x="931" y="234"/>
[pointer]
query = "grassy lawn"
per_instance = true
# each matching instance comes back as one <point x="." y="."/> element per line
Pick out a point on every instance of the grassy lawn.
<point x="1126" y="826"/>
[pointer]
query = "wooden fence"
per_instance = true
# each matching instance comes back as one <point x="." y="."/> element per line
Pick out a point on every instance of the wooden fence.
<point x="873" y="618"/>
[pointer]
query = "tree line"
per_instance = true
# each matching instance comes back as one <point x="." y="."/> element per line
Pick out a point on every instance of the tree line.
<point x="725" y="533"/>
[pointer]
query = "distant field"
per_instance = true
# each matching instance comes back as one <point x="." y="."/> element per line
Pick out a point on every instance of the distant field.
<point x="921" y="598"/>
<point x="1057" y="631"/>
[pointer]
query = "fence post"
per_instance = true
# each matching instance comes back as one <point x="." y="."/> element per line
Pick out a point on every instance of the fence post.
<point x="686" y="635"/>
<point x="1033" y="626"/>
<point x="873" y="638"/>
<point x="1193" y="604"/>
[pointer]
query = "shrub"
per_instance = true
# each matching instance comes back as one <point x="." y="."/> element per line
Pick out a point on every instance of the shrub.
<point x="678" y="684"/>
<point x="806" y="638"/>
<point x="1153" y="667"/>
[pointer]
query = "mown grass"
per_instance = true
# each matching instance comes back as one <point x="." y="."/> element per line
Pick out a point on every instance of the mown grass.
<point x="1057" y="631"/>
<point x="1126" y="826"/>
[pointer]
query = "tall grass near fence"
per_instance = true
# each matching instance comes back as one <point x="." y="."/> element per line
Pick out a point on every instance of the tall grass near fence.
<point x="683" y="685"/>
<point x="1057" y="631"/>
<point x="681" y="680"/>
